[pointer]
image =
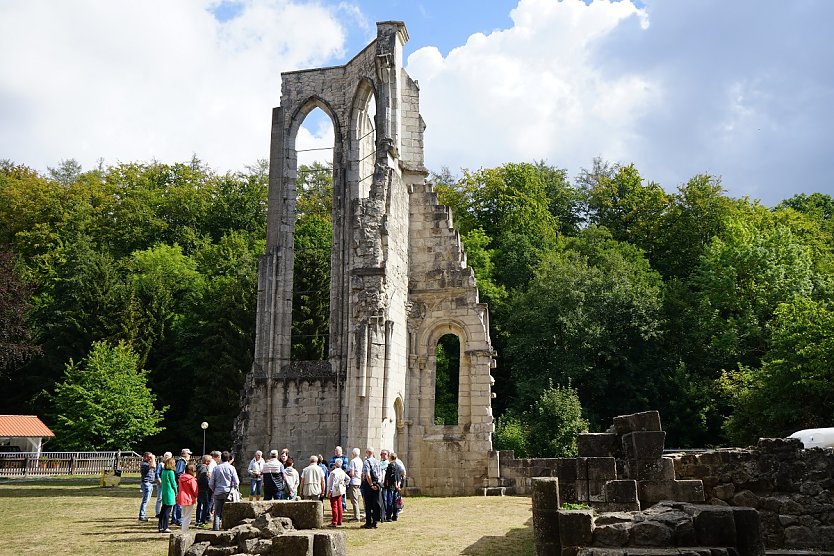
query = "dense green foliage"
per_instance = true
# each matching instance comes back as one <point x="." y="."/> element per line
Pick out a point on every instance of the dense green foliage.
<point x="623" y="295"/>
<point x="547" y="429"/>
<point x="644" y="299"/>
<point x="104" y="402"/>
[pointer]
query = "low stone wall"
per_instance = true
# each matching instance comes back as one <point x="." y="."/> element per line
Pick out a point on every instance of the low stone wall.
<point x="667" y="528"/>
<point x="792" y="488"/>
<point x="622" y="469"/>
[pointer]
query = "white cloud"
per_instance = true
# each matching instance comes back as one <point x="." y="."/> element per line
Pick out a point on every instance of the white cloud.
<point x="678" y="88"/>
<point x="130" y="80"/>
<point x="532" y="91"/>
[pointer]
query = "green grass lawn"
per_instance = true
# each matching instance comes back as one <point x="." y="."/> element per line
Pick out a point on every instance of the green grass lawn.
<point x="76" y="516"/>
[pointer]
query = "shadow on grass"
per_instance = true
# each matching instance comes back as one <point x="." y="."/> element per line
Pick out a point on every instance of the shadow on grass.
<point x="517" y="541"/>
<point x="65" y="489"/>
<point x="134" y="540"/>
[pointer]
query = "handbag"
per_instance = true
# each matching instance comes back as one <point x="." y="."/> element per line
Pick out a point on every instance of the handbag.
<point x="234" y="495"/>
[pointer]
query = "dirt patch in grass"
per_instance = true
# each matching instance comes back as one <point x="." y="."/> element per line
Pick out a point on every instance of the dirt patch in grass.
<point x="76" y="516"/>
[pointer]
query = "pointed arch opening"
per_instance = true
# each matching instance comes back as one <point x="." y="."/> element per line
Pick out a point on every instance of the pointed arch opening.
<point x="363" y="137"/>
<point x="447" y="380"/>
<point x="313" y="237"/>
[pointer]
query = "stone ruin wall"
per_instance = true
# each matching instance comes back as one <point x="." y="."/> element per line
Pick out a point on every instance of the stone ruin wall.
<point x="399" y="281"/>
<point x="444" y="299"/>
<point x="792" y="488"/>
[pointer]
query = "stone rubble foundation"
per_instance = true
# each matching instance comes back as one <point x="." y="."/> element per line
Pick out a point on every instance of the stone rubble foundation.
<point x="281" y="527"/>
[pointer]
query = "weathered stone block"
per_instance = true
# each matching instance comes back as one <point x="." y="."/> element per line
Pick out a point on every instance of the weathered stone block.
<point x="621" y="491"/>
<point x="644" y="421"/>
<point x="662" y="469"/>
<point x="272" y="526"/>
<point x="297" y="544"/>
<point x="245" y="531"/>
<point x="235" y="512"/>
<point x="616" y="534"/>
<point x="305" y="514"/>
<point x="582" y="494"/>
<point x="652" y="492"/>
<point x="748" y="532"/>
<point x="644" y="444"/>
<point x="714" y="525"/>
<point x="581" y="469"/>
<point x="546" y="505"/>
<point x="329" y="544"/>
<point x="746" y="498"/>
<point x="197" y="549"/>
<point x="684" y="534"/>
<point x="213" y="537"/>
<point x="688" y="491"/>
<point x="576" y="527"/>
<point x="254" y="546"/>
<point x="601" y="469"/>
<point x="220" y="551"/>
<point x="779" y="445"/>
<point x="724" y="491"/>
<point x="179" y="543"/>
<point x="545" y="493"/>
<point x="597" y="551"/>
<point x="567" y="491"/>
<point x="596" y="491"/>
<point x="798" y="536"/>
<point x="650" y="533"/>
<point x="593" y="445"/>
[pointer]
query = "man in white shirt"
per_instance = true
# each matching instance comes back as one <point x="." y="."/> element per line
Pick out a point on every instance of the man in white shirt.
<point x="312" y="480"/>
<point x="223" y="480"/>
<point x="256" y="469"/>
<point x="354" y="471"/>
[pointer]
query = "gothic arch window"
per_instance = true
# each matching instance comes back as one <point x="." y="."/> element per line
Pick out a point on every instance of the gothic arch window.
<point x="363" y="137"/>
<point x="314" y="127"/>
<point x="447" y="380"/>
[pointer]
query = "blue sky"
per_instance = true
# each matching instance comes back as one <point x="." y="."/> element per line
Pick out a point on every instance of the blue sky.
<point x="743" y="89"/>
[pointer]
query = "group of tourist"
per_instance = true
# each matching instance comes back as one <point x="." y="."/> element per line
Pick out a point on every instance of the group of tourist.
<point x="379" y="482"/>
<point x="185" y="488"/>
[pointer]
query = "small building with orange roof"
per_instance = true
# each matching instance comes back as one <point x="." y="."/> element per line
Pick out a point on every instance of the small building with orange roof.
<point x="24" y="433"/>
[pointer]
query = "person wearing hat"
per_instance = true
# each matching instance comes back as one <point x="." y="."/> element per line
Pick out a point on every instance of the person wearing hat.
<point x="182" y="461"/>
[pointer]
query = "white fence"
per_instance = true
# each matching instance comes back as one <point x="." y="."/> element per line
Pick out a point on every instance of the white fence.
<point x="46" y="464"/>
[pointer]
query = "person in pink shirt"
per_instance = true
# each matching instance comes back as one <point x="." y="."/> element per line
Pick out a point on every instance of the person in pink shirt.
<point x="187" y="494"/>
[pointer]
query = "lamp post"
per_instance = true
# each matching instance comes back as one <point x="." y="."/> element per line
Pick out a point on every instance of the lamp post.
<point x="204" y="426"/>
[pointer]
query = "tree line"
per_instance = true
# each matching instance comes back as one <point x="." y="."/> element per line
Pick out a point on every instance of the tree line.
<point x="607" y="295"/>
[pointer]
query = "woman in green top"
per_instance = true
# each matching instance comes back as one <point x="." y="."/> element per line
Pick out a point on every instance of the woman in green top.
<point x="168" y="492"/>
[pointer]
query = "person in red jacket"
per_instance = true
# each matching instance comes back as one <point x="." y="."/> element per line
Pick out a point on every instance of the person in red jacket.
<point x="187" y="494"/>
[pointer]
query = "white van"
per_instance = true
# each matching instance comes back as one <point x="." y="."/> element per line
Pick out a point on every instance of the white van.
<point x="815" y="438"/>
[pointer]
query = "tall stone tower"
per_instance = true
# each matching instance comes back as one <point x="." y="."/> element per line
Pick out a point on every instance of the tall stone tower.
<point x="399" y="282"/>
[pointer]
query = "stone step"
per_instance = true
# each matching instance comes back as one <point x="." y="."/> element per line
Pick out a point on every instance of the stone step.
<point x="786" y="552"/>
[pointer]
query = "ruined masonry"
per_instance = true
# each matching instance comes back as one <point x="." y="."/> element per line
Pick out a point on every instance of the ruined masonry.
<point x="399" y="282"/>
